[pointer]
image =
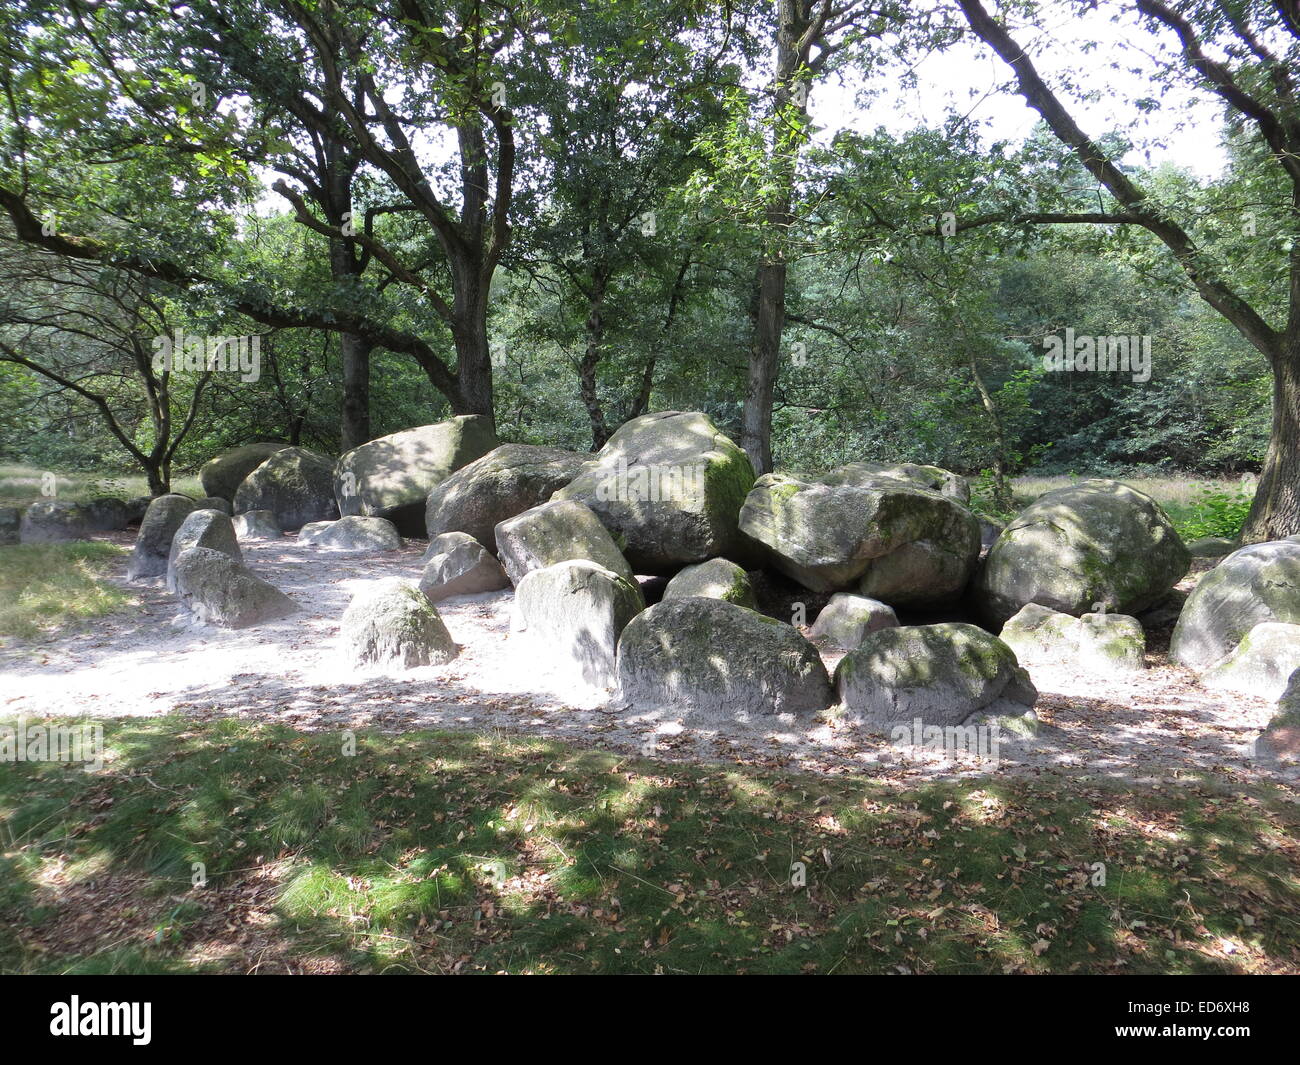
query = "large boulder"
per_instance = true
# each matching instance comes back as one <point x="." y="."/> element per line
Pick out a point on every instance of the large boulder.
<point x="718" y="578"/>
<point x="506" y="481"/>
<point x="53" y="521"/>
<point x="1261" y="664"/>
<point x="223" y="475"/>
<point x="203" y="528"/>
<point x="106" y="514"/>
<point x="575" y="612"/>
<point x="294" y="484"/>
<point x="671" y="484"/>
<point x="216" y="503"/>
<point x="153" y="543"/>
<point x="219" y="590"/>
<point x="1260" y="583"/>
<point x="257" y="525"/>
<point x="457" y="564"/>
<point x="849" y="619"/>
<point x="556" y="532"/>
<point x="1052" y="641"/>
<point x="352" y="535"/>
<point x="1095" y="542"/>
<point x="393" y="623"/>
<point x="873" y="474"/>
<point x="901" y="545"/>
<point x="392" y="477"/>
<point x="718" y="659"/>
<point x="941" y="674"/>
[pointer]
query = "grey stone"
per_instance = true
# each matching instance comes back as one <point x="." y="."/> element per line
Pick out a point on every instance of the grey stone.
<point x="718" y="578"/>
<point x="222" y="476"/>
<point x="256" y="525"/>
<point x="939" y="674"/>
<point x="203" y="528"/>
<point x="671" y="485"/>
<point x="106" y="514"/>
<point x="153" y="543"/>
<point x="392" y="477"/>
<point x="556" y="532"/>
<point x="53" y="521"/>
<point x="352" y="535"/>
<point x="392" y="623"/>
<point x="1093" y="545"/>
<point x="848" y="619"/>
<point x="575" y="612"/>
<point x="503" y="483"/>
<point x="294" y="484"/>
<point x="902" y="545"/>
<point x="11" y="520"/>
<point x="216" y="503"/>
<point x="1256" y="584"/>
<point x="457" y="564"/>
<point x="718" y="660"/>
<point x="218" y="590"/>
<point x="1261" y="664"/>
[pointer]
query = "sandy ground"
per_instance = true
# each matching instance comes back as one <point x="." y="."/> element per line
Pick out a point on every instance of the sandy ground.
<point x="156" y="660"/>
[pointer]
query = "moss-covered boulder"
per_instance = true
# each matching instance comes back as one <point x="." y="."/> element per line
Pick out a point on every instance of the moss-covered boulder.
<point x="392" y="477"/>
<point x="53" y="521"/>
<point x="1260" y="583"/>
<point x="719" y="578"/>
<point x="556" y="532"/>
<point x="203" y="528"/>
<point x="573" y="613"/>
<point x="503" y="483"/>
<point x="1046" y="640"/>
<point x="392" y="623"/>
<point x="849" y="619"/>
<point x="718" y="660"/>
<point x="457" y="564"/>
<point x="871" y="474"/>
<point x="939" y="674"/>
<point x="901" y="545"/>
<point x="295" y="484"/>
<point x="153" y="543"/>
<point x="1111" y="644"/>
<point x="1261" y="664"/>
<point x="222" y="476"/>
<point x="671" y="485"/>
<point x="219" y="590"/>
<point x="352" y="535"/>
<point x="1095" y="542"/>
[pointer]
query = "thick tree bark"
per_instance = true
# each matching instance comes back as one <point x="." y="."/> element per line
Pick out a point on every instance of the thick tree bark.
<point x="797" y="29"/>
<point x="1275" y="512"/>
<point x="354" y="353"/>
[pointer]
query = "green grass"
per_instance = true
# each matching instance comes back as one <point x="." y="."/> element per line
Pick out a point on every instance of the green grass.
<point x="44" y="587"/>
<point x="21" y="485"/>
<point x="430" y="852"/>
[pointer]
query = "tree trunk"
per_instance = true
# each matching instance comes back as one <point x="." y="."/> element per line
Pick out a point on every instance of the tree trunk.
<point x="159" y="482"/>
<point x="778" y="217"/>
<point x="587" y="368"/>
<point x="1002" y="498"/>
<point x="1275" y="513"/>
<point x="764" y="364"/>
<point x="354" y="351"/>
